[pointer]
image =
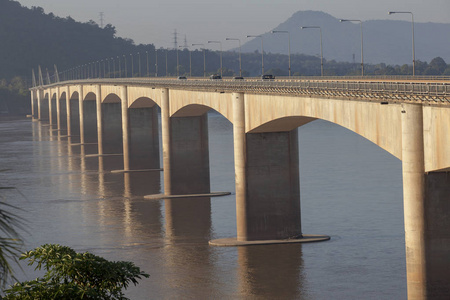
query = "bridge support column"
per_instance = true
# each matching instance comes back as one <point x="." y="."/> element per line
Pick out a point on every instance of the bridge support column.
<point x="125" y="129"/>
<point x="50" y="108"/>
<point x="81" y="112"/>
<point x="437" y="238"/>
<point x="58" y="110"/>
<point x="98" y="102"/>
<point x="267" y="181"/>
<point x="144" y="138"/>
<point x="413" y="169"/>
<point x="39" y="104"/>
<point x="189" y="155"/>
<point x="33" y="98"/>
<point x="68" y="113"/>
<point x="165" y="130"/>
<point x="185" y="152"/>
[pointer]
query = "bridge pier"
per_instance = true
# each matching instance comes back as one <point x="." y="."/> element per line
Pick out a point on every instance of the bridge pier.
<point x="68" y="113"/>
<point x="143" y="138"/>
<point x="88" y="125"/>
<point x="267" y="185"/>
<point x="189" y="155"/>
<point x="62" y="116"/>
<point x="427" y="214"/>
<point x="98" y="104"/>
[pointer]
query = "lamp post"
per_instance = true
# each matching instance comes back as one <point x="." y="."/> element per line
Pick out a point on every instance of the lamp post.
<point x="148" y="73"/>
<point x="218" y="42"/>
<point x="412" y="25"/>
<point x="321" y="52"/>
<point x="156" y="62"/>
<point x="240" y="60"/>
<point x="362" y="51"/>
<point x="114" y="67"/>
<point x="126" y="71"/>
<point x="190" y="60"/>
<point x="262" y="51"/>
<point x="204" y="58"/>
<point x="139" y="61"/>
<point x="289" y="46"/>
<point x="109" y="67"/>
<point x="120" y="67"/>
<point x="132" y="65"/>
<point x="166" y="61"/>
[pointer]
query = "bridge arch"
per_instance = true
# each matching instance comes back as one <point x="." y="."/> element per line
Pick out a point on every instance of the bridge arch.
<point x="142" y="102"/>
<point x="191" y="110"/>
<point x="380" y="124"/>
<point x="74" y="95"/>
<point x="112" y="98"/>
<point x="90" y="96"/>
<point x="219" y="101"/>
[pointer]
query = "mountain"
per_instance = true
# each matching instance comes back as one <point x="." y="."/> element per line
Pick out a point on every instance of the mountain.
<point x="385" y="41"/>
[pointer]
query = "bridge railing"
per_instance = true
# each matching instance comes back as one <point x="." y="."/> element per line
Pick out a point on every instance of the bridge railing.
<point x="362" y="87"/>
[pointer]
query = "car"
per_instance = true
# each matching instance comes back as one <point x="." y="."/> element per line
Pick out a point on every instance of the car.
<point x="182" y="77"/>
<point x="267" y="77"/>
<point x="238" y="78"/>
<point x="215" y="77"/>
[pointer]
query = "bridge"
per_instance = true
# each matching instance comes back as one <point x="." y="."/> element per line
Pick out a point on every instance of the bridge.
<point x="407" y="117"/>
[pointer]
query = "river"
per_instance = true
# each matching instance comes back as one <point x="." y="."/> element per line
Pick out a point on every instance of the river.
<point x="351" y="190"/>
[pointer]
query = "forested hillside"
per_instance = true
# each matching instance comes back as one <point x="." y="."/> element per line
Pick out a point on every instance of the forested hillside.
<point x="29" y="37"/>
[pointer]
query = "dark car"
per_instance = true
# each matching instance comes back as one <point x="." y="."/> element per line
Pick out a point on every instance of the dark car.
<point x="267" y="77"/>
<point x="182" y="77"/>
<point x="238" y="78"/>
<point x="215" y="77"/>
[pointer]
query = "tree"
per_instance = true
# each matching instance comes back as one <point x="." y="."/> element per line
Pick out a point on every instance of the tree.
<point x="10" y="241"/>
<point x="72" y="275"/>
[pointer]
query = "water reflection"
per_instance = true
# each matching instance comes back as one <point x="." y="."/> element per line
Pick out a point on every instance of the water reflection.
<point x="188" y="260"/>
<point x="271" y="272"/>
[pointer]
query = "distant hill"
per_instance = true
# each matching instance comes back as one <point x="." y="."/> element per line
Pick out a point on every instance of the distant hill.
<point x="29" y="37"/>
<point x="385" y="41"/>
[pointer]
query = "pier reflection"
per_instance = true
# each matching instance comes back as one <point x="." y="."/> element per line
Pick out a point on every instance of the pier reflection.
<point x="271" y="272"/>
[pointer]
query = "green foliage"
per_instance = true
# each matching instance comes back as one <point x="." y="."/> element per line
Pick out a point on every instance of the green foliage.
<point x="72" y="275"/>
<point x="10" y="241"/>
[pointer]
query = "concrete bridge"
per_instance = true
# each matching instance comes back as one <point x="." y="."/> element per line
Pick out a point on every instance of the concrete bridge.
<point x="409" y="118"/>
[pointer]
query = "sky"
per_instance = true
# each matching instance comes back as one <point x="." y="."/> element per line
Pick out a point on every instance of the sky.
<point x="150" y="21"/>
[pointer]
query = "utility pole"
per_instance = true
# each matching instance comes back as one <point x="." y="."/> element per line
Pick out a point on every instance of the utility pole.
<point x="175" y="39"/>
<point x="101" y="19"/>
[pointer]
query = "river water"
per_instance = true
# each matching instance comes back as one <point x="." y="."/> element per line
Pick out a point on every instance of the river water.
<point x="351" y="190"/>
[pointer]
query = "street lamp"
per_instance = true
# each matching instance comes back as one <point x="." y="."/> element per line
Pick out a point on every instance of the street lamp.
<point x="262" y="51"/>
<point x="412" y="24"/>
<point x="114" y="67"/>
<point x="120" y="67"/>
<point x="156" y="62"/>
<point x="132" y="65"/>
<point x="240" y="60"/>
<point x="139" y="61"/>
<point x="218" y="42"/>
<point x="148" y="73"/>
<point x="166" y="61"/>
<point x="362" y="52"/>
<point x="126" y="71"/>
<point x="190" y="60"/>
<point x="321" y="52"/>
<point x="204" y="58"/>
<point x="289" y="46"/>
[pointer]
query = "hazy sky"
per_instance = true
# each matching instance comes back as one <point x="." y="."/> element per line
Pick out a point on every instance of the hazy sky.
<point x="149" y="21"/>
